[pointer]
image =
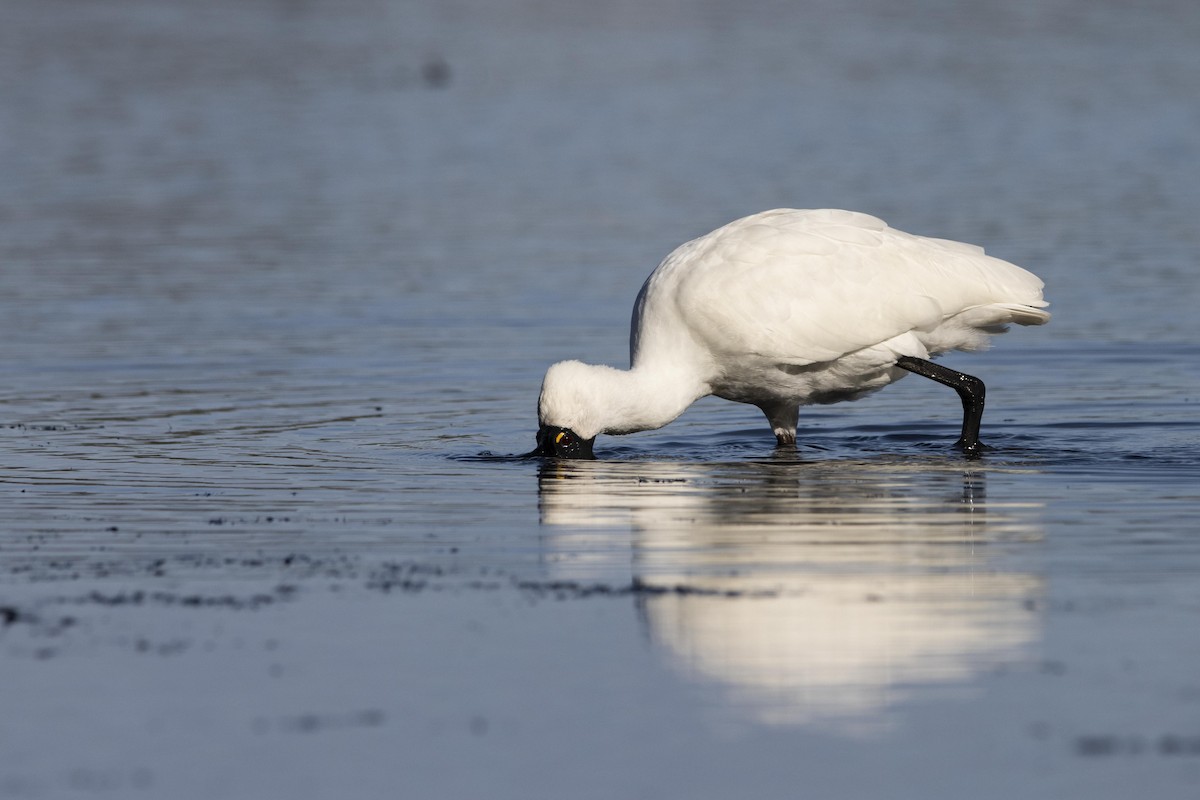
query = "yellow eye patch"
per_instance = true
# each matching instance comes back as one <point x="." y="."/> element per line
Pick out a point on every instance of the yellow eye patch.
<point x="559" y="438"/>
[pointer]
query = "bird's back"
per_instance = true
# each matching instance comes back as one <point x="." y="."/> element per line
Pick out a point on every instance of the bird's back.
<point x="808" y="286"/>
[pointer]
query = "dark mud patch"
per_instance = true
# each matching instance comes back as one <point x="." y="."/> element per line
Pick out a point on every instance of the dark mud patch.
<point x="292" y="572"/>
<point x="1127" y="746"/>
<point x="184" y="600"/>
<point x="572" y="590"/>
<point x="415" y="577"/>
<point x="35" y="569"/>
<point x="314" y="722"/>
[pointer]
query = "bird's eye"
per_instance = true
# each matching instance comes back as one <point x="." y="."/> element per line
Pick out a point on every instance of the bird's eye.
<point x="561" y="435"/>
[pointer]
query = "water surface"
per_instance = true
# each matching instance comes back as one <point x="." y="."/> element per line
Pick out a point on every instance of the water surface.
<point x="278" y="282"/>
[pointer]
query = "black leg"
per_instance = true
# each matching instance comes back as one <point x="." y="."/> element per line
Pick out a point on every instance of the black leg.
<point x="969" y="388"/>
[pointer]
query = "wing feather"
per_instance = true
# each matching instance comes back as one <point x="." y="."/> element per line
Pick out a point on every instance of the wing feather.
<point x="802" y="287"/>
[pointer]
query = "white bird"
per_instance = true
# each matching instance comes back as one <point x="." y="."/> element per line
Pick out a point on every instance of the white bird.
<point x="788" y="308"/>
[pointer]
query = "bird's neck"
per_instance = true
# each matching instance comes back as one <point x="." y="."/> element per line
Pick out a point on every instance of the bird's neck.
<point x="643" y="398"/>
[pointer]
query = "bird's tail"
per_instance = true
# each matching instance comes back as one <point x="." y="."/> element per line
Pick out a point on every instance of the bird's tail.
<point x="997" y="315"/>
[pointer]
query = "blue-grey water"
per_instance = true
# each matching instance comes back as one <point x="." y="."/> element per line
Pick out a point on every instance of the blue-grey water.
<point x="278" y="283"/>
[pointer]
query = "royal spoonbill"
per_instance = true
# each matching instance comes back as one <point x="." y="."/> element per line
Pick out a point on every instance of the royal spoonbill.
<point x="788" y="308"/>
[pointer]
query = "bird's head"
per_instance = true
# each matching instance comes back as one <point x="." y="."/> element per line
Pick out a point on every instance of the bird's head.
<point x="568" y="411"/>
<point x="557" y="442"/>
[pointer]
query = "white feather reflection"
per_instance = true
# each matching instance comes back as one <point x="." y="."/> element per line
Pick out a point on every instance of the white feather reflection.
<point x="813" y="594"/>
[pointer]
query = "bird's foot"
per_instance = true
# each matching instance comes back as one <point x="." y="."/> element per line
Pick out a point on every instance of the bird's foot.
<point x="971" y="449"/>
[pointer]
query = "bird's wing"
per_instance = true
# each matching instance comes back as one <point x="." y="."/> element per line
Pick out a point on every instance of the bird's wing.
<point x="805" y="287"/>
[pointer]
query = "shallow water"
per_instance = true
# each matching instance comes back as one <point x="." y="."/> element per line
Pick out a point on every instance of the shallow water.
<point x="278" y="282"/>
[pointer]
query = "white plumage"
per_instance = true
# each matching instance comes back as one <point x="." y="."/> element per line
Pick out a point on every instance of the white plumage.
<point x="787" y="308"/>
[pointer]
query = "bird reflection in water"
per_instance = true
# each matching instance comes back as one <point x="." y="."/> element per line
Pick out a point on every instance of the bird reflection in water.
<point x="811" y="594"/>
